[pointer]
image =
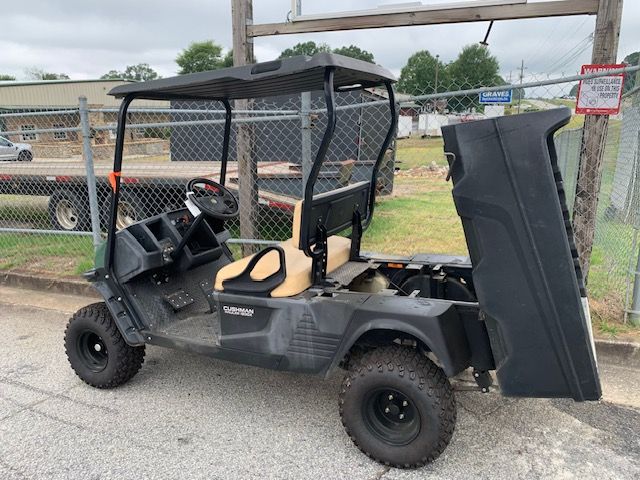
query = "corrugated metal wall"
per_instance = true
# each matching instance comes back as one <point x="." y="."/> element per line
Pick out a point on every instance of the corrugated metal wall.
<point x="61" y="94"/>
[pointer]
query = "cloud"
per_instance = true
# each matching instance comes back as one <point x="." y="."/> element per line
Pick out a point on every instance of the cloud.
<point x="86" y="39"/>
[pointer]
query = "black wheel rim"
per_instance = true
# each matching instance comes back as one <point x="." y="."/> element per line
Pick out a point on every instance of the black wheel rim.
<point x="92" y="351"/>
<point x="391" y="416"/>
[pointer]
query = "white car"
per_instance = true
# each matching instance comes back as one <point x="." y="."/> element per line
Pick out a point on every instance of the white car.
<point x="15" y="151"/>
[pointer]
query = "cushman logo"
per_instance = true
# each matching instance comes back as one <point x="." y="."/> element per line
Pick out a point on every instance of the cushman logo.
<point x="240" y="311"/>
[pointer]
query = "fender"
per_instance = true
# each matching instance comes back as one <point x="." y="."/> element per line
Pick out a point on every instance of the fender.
<point x="121" y="313"/>
<point x="436" y="323"/>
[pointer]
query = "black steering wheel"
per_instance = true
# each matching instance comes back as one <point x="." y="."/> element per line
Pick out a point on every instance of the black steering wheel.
<point x="212" y="198"/>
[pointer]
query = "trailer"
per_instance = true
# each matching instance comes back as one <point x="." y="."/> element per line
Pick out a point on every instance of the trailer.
<point x="152" y="187"/>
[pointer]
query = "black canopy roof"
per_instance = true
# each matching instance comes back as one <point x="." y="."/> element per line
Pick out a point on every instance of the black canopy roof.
<point x="284" y="76"/>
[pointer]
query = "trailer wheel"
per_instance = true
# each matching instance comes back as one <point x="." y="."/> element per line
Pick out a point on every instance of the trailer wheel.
<point x="97" y="351"/>
<point x="398" y="407"/>
<point x="130" y="210"/>
<point x="25" y="156"/>
<point x="68" y="211"/>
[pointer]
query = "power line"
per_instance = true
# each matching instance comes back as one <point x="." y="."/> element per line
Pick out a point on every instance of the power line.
<point x="571" y="54"/>
<point x="540" y="50"/>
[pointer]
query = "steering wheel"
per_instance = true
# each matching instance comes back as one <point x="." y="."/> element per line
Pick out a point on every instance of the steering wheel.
<point x="212" y="198"/>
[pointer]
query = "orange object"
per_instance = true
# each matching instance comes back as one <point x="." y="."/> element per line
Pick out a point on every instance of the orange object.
<point x="112" y="179"/>
<point x="395" y="265"/>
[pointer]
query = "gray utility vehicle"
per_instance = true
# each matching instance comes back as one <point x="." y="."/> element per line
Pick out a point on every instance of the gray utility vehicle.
<point x="400" y="327"/>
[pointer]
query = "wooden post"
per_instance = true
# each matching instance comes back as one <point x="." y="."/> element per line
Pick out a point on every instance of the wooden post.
<point x="242" y="16"/>
<point x="594" y="134"/>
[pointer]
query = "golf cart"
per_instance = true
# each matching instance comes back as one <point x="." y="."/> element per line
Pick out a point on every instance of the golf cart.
<point x="400" y="327"/>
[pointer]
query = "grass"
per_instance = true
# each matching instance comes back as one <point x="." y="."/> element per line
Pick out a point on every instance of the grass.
<point x="62" y="255"/>
<point x="415" y="152"/>
<point x="419" y="217"/>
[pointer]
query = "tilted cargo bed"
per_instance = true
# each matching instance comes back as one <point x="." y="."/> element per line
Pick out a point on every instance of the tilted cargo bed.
<point x="508" y="192"/>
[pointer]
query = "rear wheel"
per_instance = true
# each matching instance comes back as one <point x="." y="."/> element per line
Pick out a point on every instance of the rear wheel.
<point x="25" y="156"/>
<point x="97" y="351"/>
<point x="398" y="407"/>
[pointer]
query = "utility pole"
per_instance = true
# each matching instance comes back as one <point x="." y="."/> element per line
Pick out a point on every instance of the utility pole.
<point x="242" y="16"/>
<point x="594" y="134"/>
<point x="521" y="79"/>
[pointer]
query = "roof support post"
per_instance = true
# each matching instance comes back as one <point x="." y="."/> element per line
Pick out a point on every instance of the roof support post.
<point x="329" y="97"/>
<point x="242" y="17"/>
<point x="225" y="141"/>
<point x="391" y="133"/>
<point x="594" y="135"/>
<point x="114" y="179"/>
<point x="305" y="136"/>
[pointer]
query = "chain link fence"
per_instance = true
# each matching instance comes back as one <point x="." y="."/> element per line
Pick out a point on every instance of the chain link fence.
<point x="54" y="189"/>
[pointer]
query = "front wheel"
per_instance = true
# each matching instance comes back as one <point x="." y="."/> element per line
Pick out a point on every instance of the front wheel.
<point x="69" y="211"/>
<point x="398" y="407"/>
<point x="97" y="351"/>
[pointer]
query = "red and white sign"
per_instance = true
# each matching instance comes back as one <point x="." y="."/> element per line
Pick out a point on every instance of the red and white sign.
<point x="600" y="95"/>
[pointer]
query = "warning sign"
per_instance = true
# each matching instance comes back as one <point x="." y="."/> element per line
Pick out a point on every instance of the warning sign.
<point x="601" y="95"/>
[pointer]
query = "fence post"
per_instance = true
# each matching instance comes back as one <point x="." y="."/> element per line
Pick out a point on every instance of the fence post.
<point x="305" y="121"/>
<point x="605" y="49"/>
<point x="634" y="311"/>
<point x="91" y="176"/>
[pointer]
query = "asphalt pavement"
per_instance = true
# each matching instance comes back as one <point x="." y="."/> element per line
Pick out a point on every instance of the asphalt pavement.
<point x="185" y="416"/>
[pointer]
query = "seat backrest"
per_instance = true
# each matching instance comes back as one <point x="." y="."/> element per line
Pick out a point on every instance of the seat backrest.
<point x="333" y="210"/>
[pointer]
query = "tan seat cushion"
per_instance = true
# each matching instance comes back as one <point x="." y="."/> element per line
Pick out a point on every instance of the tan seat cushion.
<point x="297" y="263"/>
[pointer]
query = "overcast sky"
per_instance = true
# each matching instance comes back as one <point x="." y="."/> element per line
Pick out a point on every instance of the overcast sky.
<point x="87" y="38"/>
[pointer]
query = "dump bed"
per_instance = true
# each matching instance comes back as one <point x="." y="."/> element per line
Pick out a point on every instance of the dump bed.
<point x="508" y="193"/>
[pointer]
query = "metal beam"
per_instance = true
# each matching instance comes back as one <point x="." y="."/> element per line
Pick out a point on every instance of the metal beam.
<point x="556" y="8"/>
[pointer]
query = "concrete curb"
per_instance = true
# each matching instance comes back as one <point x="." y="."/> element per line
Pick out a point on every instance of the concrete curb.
<point x="626" y="354"/>
<point x="48" y="283"/>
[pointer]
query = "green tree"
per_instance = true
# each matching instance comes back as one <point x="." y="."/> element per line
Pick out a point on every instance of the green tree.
<point x="36" y="73"/>
<point x="138" y="73"/>
<point x="112" y="75"/>
<point x="355" y="52"/>
<point x="418" y="76"/>
<point x="200" y="57"/>
<point x="574" y="90"/>
<point x="4" y="77"/>
<point x="630" y="78"/>
<point x="227" y="61"/>
<point x="475" y="67"/>
<point x="305" y="48"/>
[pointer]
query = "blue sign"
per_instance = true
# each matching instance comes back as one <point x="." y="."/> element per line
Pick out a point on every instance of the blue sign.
<point x="500" y="96"/>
